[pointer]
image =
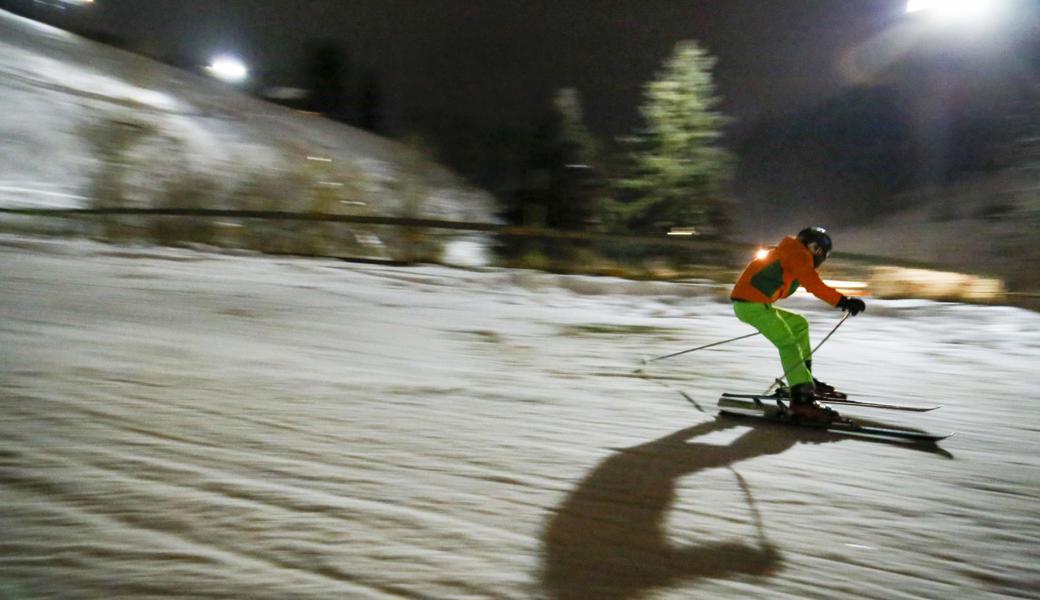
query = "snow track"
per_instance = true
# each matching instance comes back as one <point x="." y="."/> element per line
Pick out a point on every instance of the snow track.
<point x="182" y="424"/>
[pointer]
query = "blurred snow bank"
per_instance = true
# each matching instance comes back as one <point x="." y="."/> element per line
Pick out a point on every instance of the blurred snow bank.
<point x="899" y="282"/>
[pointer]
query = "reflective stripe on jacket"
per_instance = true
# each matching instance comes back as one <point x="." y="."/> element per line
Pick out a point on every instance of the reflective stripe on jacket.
<point x="779" y="274"/>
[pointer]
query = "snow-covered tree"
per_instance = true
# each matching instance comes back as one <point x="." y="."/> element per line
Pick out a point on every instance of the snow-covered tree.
<point x="679" y="172"/>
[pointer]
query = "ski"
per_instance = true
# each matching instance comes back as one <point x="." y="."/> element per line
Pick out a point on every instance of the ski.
<point x="838" y="401"/>
<point x="771" y="408"/>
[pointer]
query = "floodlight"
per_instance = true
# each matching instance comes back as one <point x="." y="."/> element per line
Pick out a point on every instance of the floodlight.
<point x="228" y="69"/>
<point x="952" y="9"/>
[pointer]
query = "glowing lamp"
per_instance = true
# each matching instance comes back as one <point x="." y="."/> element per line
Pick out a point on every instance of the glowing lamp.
<point x="228" y="69"/>
<point x="952" y="9"/>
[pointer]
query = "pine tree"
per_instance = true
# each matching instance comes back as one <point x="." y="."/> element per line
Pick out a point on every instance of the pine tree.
<point x="573" y="197"/>
<point x="372" y="104"/>
<point x="560" y="189"/>
<point x="327" y="73"/>
<point x="679" y="173"/>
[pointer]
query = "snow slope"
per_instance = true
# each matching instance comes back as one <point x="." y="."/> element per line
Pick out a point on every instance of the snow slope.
<point x="181" y="424"/>
<point x="57" y="91"/>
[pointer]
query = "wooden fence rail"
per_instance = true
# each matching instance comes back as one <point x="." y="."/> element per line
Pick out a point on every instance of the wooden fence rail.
<point x="506" y="230"/>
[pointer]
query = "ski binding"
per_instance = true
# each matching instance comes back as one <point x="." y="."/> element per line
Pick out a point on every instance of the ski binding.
<point x="837" y="400"/>
<point x="773" y="408"/>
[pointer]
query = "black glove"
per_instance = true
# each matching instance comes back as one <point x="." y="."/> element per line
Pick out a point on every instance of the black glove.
<point x="853" y="305"/>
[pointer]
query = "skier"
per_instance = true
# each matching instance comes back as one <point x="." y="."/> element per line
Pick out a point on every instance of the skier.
<point x="777" y="275"/>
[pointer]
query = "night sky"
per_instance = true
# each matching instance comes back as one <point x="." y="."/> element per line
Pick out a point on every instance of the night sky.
<point x="498" y="61"/>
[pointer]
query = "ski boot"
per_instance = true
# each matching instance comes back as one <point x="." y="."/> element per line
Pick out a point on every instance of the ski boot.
<point x="804" y="407"/>
<point x="820" y="388"/>
<point x="825" y="389"/>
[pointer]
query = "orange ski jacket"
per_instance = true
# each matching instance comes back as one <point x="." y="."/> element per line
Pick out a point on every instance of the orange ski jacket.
<point x="779" y="274"/>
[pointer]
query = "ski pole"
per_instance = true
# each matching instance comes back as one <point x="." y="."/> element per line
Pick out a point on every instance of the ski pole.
<point x="650" y="360"/>
<point x="780" y="380"/>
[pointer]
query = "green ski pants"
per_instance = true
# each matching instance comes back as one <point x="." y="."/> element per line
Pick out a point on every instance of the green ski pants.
<point x="788" y="331"/>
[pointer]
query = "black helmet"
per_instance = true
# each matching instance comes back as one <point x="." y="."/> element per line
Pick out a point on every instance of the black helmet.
<point x="817" y="241"/>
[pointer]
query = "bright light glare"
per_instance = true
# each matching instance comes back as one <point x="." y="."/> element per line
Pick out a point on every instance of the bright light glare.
<point x="228" y="69"/>
<point x="762" y="253"/>
<point x="952" y="9"/>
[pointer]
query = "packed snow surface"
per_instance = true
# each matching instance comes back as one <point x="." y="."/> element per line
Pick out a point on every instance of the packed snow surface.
<point x="184" y="424"/>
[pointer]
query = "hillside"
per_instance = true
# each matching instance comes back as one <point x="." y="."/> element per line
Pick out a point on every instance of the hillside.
<point x="82" y="123"/>
<point x="988" y="225"/>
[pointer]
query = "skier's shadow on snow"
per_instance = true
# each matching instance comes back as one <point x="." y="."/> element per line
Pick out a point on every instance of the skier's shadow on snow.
<point x="608" y="541"/>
